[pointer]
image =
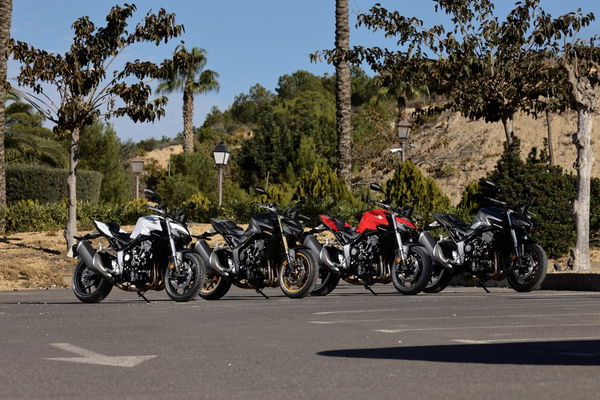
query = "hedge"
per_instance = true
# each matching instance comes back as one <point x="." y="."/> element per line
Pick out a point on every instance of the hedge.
<point x="48" y="185"/>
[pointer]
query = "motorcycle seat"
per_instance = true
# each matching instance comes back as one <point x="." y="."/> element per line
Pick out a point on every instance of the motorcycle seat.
<point x="453" y="222"/>
<point x="114" y="231"/>
<point x="226" y="227"/>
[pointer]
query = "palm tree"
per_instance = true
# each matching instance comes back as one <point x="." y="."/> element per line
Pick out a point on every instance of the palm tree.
<point x="191" y="78"/>
<point x="5" y="19"/>
<point x="343" y="92"/>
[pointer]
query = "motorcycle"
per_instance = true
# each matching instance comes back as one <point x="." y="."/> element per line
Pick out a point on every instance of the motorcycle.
<point x="152" y="257"/>
<point x="382" y="249"/>
<point x="267" y="254"/>
<point x="495" y="246"/>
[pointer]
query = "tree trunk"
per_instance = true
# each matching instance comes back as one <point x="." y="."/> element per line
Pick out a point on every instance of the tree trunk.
<point x="550" y="138"/>
<point x="508" y="129"/>
<point x="5" y="20"/>
<point x="581" y="208"/>
<point x="188" y="115"/>
<point x="342" y="92"/>
<point x="401" y="110"/>
<point x="71" y="229"/>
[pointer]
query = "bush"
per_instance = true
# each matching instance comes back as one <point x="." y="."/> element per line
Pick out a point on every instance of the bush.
<point x="47" y="185"/>
<point x="33" y="216"/>
<point x="409" y="183"/>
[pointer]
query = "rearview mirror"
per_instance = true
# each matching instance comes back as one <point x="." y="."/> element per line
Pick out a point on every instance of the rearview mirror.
<point x="260" y="191"/>
<point x="152" y="196"/>
<point x="376" y="187"/>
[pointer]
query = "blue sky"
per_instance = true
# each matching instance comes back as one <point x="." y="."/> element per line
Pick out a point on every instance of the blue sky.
<point x="247" y="41"/>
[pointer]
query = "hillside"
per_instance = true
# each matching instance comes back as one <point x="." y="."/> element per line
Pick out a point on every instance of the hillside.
<point x="456" y="151"/>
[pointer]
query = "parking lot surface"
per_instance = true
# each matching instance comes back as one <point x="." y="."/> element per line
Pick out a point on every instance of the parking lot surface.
<point x="458" y="344"/>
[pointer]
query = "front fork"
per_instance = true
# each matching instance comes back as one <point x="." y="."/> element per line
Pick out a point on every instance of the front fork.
<point x="286" y="247"/>
<point x="513" y="236"/>
<point x="175" y="258"/>
<point x="400" y="250"/>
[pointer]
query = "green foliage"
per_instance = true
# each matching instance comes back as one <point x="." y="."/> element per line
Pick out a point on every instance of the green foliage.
<point x="409" y="182"/>
<point x="100" y="150"/>
<point x="32" y="182"/>
<point x="175" y="190"/>
<point x="322" y="183"/>
<point x="198" y="168"/>
<point x="31" y="215"/>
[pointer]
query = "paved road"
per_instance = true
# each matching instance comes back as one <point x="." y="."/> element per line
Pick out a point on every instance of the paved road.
<point x="459" y="344"/>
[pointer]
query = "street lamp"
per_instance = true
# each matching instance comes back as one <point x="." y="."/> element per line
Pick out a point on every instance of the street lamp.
<point x="403" y="127"/>
<point x="137" y="167"/>
<point x="221" y="156"/>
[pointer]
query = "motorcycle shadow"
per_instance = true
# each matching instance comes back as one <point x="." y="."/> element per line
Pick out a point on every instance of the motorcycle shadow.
<point x="568" y="352"/>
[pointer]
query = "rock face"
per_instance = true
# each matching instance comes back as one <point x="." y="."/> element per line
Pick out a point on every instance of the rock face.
<point x="456" y="151"/>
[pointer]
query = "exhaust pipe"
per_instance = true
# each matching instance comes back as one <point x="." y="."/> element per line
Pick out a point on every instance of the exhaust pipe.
<point x="427" y="241"/>
<point x="92" y="259"/>
<point x="321" y="252"/>
<point x="438" y="256"/>
<point x="209" y="257"/>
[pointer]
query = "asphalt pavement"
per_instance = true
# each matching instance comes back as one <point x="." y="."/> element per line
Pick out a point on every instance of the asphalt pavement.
<point x="459" y="344"/>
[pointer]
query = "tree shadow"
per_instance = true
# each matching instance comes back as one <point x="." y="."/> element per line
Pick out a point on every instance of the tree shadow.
<point x="568" y="352"/>
<point x="11" y="242"/>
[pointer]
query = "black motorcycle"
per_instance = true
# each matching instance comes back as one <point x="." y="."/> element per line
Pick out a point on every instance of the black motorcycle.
<point x="152" y="257"/>
<point x="381" y="249"/>
<point x="495" y="246"/>
<point x="268" y="253"/>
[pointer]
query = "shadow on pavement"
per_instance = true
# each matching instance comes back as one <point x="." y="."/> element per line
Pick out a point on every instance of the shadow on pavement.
<point x="580" y="352"/>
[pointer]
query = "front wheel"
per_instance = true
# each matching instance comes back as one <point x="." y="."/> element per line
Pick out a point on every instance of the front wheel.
<point x="298" y="279"/>
<point x="440" y="279"/>
<point x="183" y="284"/>
<point x="88" y="285"/>
<point x="529" y="273"/>
<point x="412" y="276"/>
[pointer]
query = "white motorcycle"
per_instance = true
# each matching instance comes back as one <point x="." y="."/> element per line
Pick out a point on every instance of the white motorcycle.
<point x="153" y="256"/>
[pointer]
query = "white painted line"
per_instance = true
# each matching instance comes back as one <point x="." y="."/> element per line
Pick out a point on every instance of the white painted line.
<point x="454" y="317"/>
<point x="481" y="327"/>
<point x="493" y="306"/>
<point x="510" y="340"/>
<point x="89" y="357"/>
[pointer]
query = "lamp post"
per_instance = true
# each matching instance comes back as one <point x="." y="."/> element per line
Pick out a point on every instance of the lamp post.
<point x="137" y="167"/>
<point x="221" y="156"/>
<point x="403" y="127"/>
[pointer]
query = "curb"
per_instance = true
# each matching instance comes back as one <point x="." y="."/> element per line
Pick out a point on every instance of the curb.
<point x="555" y="281"/>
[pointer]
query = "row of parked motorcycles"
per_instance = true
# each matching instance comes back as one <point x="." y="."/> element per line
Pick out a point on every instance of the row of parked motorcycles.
<point x="277" y="250"/>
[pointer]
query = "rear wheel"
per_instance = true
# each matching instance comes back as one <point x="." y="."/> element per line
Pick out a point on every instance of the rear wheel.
<point x="298" y="279"/>
<point x="183" y="284"/>
<point x="326" y="282"/>
<point x="88" y="285"/>
<point x="412" y="276"/>
<point x="440" y="279"/>
<point x="531" y="271"/>
<point x="215" y="286"/>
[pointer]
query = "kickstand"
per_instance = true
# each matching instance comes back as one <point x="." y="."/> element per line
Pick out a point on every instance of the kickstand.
<point x="261" y="292"/>
<point x="370" y="290"/>
<point x="141" y="294"/>
<point x="483" y="286"/>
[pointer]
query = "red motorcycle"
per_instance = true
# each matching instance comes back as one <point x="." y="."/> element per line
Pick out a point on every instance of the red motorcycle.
<point x="381" y="249"/>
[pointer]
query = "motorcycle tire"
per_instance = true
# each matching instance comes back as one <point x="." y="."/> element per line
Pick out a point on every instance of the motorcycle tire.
<point x="416" y="254"/>
<point x="183" y="285"/>
<point x="533" y="253"/>
<point x="297" y="281"/>
<point x="440" y="279"/>
<point x="89" y="286"/>
<point x="215" y="286"/>
<point x="326" y="282"/>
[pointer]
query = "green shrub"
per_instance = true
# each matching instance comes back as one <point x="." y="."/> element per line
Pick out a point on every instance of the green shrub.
<point x="409" y="183"/>
<point x="47" y="185"/>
